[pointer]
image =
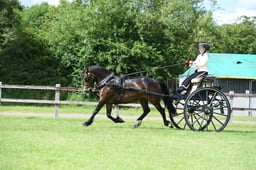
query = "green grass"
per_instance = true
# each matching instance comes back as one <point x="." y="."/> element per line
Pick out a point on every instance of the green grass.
<point x="87" y="109"/>
<point x="63" y="143"/>
<point x="84" y="109"/>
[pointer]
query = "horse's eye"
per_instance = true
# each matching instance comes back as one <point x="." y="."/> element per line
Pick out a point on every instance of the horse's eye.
<point x="87" y="77"/>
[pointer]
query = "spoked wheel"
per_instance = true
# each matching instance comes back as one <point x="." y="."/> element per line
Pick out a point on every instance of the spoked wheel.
<point x="207" y="108"/>
<point x="178" y="119"/>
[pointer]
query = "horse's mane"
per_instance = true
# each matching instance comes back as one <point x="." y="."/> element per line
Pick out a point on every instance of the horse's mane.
<point x="100" y="68"/>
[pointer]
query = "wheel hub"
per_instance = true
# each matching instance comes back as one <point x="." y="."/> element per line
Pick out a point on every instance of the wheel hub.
<point x="207" y="110"/>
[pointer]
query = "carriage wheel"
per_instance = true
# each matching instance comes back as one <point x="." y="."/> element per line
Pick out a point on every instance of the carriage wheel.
<point x="207" y="108"/>
<point x="178" y="119"/>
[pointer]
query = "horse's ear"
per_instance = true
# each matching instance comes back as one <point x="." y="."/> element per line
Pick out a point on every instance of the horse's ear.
<point x="85" y="69"/>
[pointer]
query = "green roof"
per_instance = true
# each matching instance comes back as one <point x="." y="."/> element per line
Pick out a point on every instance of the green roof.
<point x="234" y="66"/>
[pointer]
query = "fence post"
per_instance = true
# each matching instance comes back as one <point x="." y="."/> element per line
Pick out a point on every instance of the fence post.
<point x="231" y="94"/>
<point x="57" y="100"/>
<point x="249" y="112"/>
<point x="0" y="92"/>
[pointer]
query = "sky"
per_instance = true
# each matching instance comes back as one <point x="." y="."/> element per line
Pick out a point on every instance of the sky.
<point x="229" y="10"/>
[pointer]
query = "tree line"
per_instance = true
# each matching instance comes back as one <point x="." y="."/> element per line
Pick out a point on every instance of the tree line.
<point x="45" y="44"/>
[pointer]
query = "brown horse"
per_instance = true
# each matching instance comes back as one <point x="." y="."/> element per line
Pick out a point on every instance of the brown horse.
<point x="116" y="90"/>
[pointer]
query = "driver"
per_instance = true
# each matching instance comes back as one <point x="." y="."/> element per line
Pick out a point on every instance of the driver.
<point x="201" y="66"/>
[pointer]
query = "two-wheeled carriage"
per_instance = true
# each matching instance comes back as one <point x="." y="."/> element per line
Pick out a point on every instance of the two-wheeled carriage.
<point x="205" y="107"/>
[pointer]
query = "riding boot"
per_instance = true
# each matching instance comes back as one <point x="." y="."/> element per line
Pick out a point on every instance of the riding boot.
<point x="180" y="93"/>
<point x="181" y="90"/>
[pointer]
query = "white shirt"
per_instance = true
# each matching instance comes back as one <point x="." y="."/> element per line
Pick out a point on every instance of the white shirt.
<point x="201" y="62"/>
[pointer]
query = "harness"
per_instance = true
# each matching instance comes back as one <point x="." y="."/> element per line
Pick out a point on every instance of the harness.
<point x="105" y="81"/>
<point x="113" y="81"/>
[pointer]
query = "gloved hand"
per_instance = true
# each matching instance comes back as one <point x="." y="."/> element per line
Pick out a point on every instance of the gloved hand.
<point x="188" y="62"/>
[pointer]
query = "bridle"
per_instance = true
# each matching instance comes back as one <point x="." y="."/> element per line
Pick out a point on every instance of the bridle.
<point x="89" y="79"/>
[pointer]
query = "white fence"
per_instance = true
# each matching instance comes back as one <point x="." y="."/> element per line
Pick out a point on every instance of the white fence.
<point x="57" y="88"/>
<point x="242" y="104"/>
<point x="239" y="102"/>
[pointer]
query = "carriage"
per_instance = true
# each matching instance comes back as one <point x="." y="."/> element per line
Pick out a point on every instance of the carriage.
<point x="205" y="108"/>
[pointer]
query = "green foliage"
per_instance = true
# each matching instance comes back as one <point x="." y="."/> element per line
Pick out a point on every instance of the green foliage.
<point x="238" y="37"/>
<point x="120" y="35"/>
<point x="9" y="20"/>
<point x="24" y="56"/>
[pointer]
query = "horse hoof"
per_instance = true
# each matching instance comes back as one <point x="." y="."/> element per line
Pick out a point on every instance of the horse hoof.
<point x="137" y="124"/>
<point x="170" y="125"/>
<point x="120" y="120"/>
<point x="87" y="123"/>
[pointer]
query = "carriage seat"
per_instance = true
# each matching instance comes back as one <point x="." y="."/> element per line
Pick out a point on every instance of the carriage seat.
<point x="199" y="79"/>
<point x="195" y="82"/>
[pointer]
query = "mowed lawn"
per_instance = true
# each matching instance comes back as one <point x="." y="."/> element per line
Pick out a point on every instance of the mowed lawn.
<point x="63" y="143"/>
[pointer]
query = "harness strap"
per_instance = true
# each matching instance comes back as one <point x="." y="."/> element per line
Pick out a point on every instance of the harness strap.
<point x="122" y="84"/>
<point x="105" y="80"/>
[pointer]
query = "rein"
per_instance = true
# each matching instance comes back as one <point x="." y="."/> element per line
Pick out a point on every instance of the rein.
<point x="112" y="75"/>
<point x="154" y="68"/>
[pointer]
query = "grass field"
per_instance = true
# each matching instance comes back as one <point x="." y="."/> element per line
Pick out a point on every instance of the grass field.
<point x="49" y="109"/>
<point x="63" y="143"/>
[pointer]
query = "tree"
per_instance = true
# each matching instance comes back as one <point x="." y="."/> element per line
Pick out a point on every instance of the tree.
<point x="9" y="20"/>
<point x="122" y="35"/>
<point x="24" y="55"/>
<point x="238" y="38"/>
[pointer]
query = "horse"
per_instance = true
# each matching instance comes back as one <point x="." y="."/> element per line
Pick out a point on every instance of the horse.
<point x="117" y="90"/>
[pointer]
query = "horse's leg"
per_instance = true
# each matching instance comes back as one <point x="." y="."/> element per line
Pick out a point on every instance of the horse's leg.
<point x="162" y="112"/>
<point x="94" y="113"/>
<point x="116" y="119"/>
<point x="146" y="110"/>
<point x="116" y="110"/>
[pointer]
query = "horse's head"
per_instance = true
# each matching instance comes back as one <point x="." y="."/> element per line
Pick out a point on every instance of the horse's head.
<point x="89" y="78"/>
<point x="94" y="74"/>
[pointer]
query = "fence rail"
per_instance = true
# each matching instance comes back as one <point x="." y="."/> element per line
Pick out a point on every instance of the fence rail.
<point x="233" y="95"/>
<point x="58" y="102"/>
<point x="57" y="88"/>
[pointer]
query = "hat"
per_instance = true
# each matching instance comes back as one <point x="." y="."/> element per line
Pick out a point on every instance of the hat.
<point x="205" y="45"/>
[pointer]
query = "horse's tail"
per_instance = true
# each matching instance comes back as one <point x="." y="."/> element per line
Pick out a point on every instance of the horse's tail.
<point x="168" y="101"/>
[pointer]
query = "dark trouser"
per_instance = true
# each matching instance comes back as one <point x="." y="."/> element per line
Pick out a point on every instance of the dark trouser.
<point x="187" y="82"/>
